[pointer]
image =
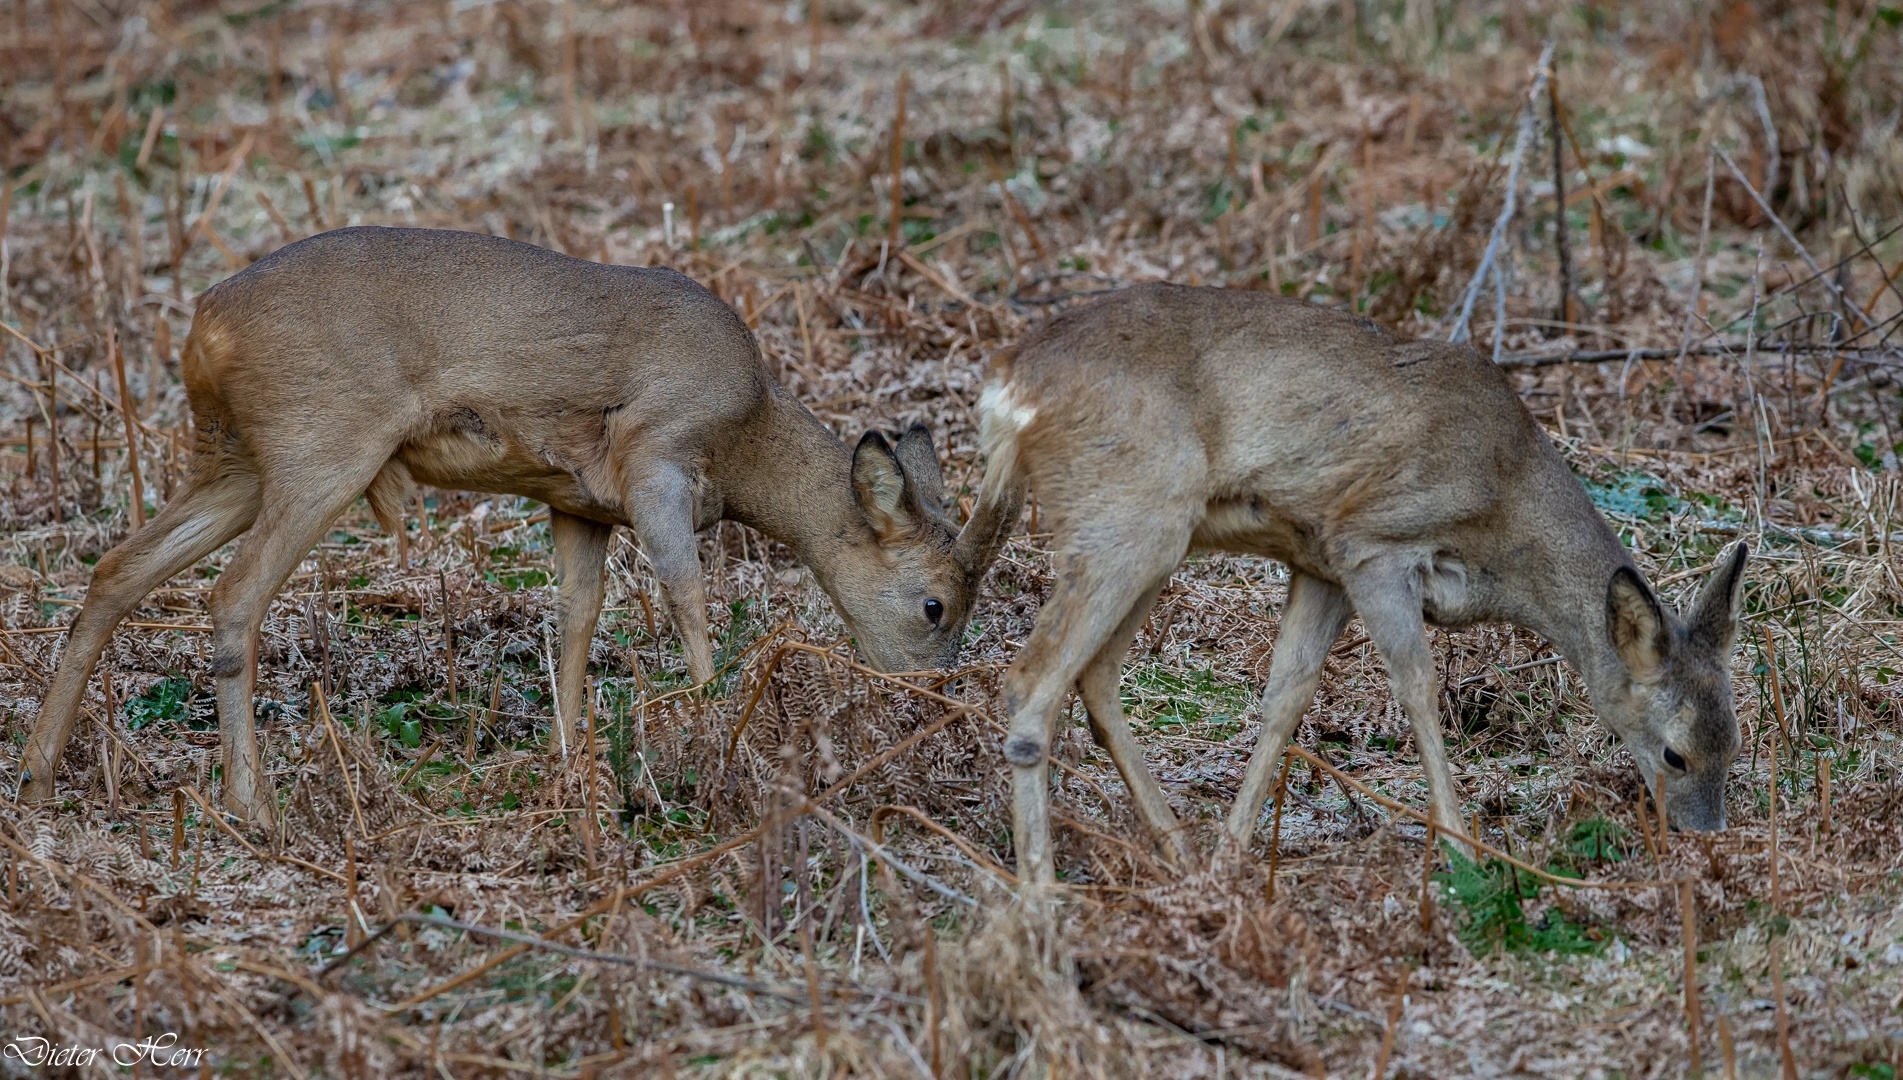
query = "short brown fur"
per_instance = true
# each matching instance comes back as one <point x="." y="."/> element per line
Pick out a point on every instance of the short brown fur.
<point x="1399" y="479"/>
<point x="362" y="360"/>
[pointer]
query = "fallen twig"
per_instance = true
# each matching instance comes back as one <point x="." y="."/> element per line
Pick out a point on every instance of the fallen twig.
<point x="1601" y="356"/>
<point x="218" y="819"/>
<point x="539" y="944"/>
<point x="1460" y="837"/>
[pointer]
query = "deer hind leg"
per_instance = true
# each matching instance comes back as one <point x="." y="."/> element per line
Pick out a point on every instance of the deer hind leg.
<point x="388" y="494"/>
<point x="291" y="522"/>
<point x="581" y="552"/>
<point x="1097" y="686"/>
<point x="1093" y="595"/>
<point x="219" y="505"/>
<point x="1390" y="607"/>
<point x="661" y="505"/>
<point x="1311" y="621"/>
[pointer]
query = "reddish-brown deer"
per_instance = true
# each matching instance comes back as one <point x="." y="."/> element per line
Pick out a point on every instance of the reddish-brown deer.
<point x="362" y="360"/>
<point x="1401" y="480"/>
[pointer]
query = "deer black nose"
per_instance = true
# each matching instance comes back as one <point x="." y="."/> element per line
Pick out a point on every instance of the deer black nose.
<point x="1672" y="759"/>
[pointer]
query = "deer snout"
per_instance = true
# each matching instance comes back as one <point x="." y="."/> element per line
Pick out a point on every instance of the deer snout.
<point x="881" y="659"/>
<point x="1690" y="772"/>
<point x="890" y="656"/>
<point x="1696" y="804"/>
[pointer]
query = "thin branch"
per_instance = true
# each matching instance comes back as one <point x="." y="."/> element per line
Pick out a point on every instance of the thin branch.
<point x="1520" y="143"/>
<point x="880" y="851"/>
<point x="798" y="997"/>
<point x="1455" y="835"/>
<point x="1600" y="356"/>
<point x="1704" y="242"/>
<point x="1792" y="237"/>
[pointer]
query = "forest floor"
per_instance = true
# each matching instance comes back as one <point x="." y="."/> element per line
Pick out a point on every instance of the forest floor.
<point x="803" y="868"/>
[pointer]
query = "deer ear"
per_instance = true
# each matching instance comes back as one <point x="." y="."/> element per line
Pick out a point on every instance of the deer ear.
<point x="878" y="483"/>
<point x="1636" y="625"/>
<point x="1714" y="619"/>
<point x="918" y="460"/>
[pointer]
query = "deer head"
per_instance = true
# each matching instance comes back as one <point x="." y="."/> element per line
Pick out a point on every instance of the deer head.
<point x="1674" y="708"/>
<point x="908" y="596"/>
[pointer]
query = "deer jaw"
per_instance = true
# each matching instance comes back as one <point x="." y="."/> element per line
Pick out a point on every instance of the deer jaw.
<point x="883" y="593"/>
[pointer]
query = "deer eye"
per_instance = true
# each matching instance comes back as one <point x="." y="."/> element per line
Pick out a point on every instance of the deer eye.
<point x="934" y="610"/>
<point x="1672" y="759"/>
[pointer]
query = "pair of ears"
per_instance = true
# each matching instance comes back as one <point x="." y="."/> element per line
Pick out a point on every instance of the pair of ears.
<point x="901" y="491"/>
<point x="1644" y="636"/>
<point x="899" y="488"/>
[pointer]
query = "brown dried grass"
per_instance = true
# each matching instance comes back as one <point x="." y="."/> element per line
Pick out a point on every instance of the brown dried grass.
<point x="570" y="126"/>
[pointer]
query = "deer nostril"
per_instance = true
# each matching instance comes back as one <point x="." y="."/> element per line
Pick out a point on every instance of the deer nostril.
<point x="1672" y="759"/>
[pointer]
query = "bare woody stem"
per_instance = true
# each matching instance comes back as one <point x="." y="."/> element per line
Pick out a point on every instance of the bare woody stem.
<point x="1494" y="239"/>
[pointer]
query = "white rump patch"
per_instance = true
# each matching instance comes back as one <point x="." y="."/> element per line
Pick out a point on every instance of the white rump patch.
<point x="1001" y="417"/>
<point x="999" y="409"/>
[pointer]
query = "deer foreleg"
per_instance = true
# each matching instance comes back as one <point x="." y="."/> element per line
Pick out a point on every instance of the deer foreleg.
<point x="1311" y="621"/>
<point x="581" y="551"/>
<point x="1391" y="610"/>
<point x="662" y="508"/>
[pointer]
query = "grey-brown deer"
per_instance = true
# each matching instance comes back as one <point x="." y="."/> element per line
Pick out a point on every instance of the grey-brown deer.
<point x="1399" y="479"/>
<point x="363" y="360"/>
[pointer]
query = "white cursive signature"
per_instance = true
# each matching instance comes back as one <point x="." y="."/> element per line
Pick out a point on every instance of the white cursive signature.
<point x="161" y="1050"/>
<point x="35" y="1051"/>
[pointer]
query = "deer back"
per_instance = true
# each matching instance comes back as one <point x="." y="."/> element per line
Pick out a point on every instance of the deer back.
<point x="429" y="331"/>
<point x="1318" y="437"/>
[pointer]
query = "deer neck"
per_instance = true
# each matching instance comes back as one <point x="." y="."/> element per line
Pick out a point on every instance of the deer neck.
<point x="1568" y="574"/>
<point x="789" y="477"/>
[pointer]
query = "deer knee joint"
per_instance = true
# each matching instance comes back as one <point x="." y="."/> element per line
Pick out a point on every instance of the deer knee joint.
<point x="227" y="663"/>
<point x="1024" y="751"/>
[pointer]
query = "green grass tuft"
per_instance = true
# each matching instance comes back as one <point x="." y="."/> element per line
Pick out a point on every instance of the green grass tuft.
<point x="1487" y="900"/>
